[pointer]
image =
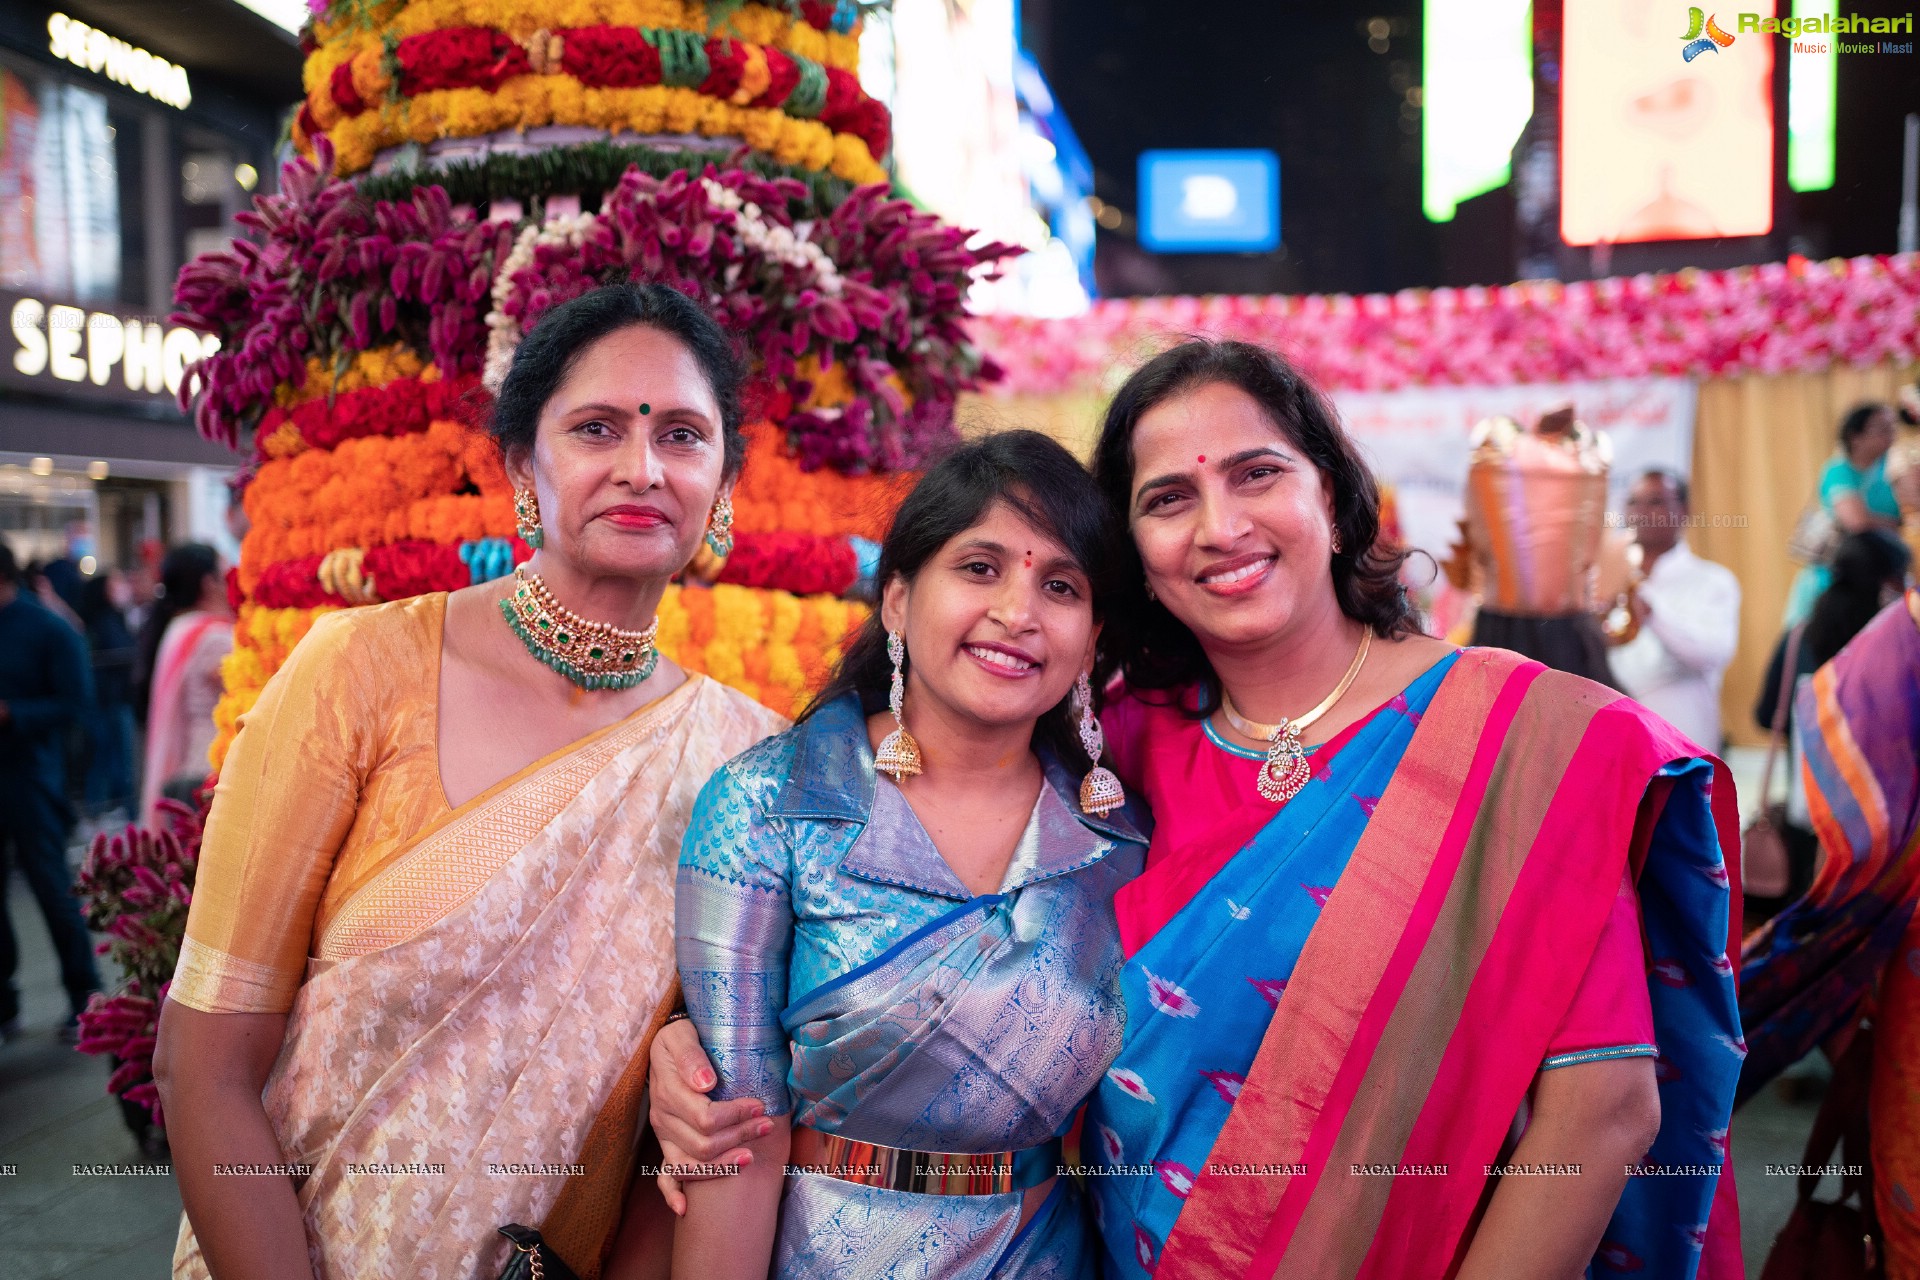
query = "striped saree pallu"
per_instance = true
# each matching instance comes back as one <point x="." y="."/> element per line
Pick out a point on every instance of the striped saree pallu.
<point x="1445" y="958"/>
<point x="1807" y="974"/>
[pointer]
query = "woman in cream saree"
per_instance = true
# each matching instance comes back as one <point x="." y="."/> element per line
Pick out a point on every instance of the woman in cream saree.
<point x="466" y="1048"/>
<point x="432" y="928"/>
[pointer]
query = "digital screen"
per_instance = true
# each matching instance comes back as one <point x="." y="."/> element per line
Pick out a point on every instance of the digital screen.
<point x="1666" y="127"/>
<point x="1812" y="86"/>
<point x="1209" y="201"/>
<point x="1476" y="95"/>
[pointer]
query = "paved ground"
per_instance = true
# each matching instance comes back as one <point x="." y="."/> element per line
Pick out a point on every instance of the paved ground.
<point x="54" y="1114"/>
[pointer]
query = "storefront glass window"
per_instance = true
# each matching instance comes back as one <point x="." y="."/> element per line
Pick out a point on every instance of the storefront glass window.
<point x="59" y="190"/>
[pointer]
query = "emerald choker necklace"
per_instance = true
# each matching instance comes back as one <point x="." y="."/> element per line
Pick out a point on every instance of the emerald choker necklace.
<point x="591" y="654"/>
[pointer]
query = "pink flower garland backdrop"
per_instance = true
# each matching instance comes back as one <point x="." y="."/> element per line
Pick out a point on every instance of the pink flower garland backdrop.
<point x="1778" y="353"/>
<point x="1781" y="317"/>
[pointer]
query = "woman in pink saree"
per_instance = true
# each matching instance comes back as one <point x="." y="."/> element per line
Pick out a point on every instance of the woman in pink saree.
<point x="1418" y="975"/>
<point x="188" y="637"/>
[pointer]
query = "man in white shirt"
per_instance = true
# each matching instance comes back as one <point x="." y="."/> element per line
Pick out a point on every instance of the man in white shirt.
<point x="1689" y="615"/>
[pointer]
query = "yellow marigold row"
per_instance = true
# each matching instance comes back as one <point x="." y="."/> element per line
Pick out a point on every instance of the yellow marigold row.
<point x="527" y="102"/>
<point x="262" y="639"/>
<point x="344" y="39"/>
<point x="375" y="367"/>
<point x="775" y="647"/>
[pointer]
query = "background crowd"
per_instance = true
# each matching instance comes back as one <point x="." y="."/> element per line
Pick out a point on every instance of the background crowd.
<point x="106" y="699"/>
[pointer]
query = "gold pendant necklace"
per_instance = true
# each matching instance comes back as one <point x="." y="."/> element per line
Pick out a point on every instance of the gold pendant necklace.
<point x="594" y="655"/>
<point x="1286" y="770"/>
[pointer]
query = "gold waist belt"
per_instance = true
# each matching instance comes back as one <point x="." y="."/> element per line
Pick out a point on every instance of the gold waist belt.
<point x="939" y="1173"/>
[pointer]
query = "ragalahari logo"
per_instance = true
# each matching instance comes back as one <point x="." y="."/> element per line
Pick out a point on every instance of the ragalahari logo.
<point x="1703" y="35"/>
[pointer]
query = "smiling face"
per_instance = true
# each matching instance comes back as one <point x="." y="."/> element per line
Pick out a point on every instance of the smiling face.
<point x="998" y="624"/>
<point x="1233" y="522"/>
<point x="624" y="493"/>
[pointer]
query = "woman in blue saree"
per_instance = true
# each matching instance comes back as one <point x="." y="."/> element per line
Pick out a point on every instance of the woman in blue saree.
<point x="895" y="928"/>
<point x="1414" y="975"/>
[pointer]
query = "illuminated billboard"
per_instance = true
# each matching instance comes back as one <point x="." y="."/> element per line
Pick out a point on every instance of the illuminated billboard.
<point x="1209" y="201"/>
<point x="1476" y="95"/>
<point x="1812" y="88"/>
<point x="1666" y="128"/>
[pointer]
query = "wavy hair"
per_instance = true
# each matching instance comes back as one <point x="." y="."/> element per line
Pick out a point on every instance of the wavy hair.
<point x="1144" y="642"/>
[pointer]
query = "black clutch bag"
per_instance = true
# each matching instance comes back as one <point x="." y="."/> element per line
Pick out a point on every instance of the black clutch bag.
<point x="532" y="1259"/>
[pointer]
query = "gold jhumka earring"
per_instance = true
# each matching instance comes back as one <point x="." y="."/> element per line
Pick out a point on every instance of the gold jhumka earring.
<point x="899" y="755"/>
<point x="1100" y="791"/>
<point x="720" y="529"/>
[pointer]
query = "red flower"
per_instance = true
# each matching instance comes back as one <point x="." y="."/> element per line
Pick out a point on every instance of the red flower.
<point x="412" y="568"/>
<point x="871" y="122"/>
<point x="293" y="584"/>
<point x="458" y="58"/>
<point x="726" y="64"/>
<point x="345" y="96"/>
<point x="610" y="57"/>
<point x="818" y="14"/>
<point x="843" y="91"/>
<point x="785" y="78"/>
<point x="803" y="563"/>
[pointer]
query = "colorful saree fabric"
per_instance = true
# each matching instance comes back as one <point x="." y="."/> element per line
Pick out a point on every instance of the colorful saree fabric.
<point x="839" y="971"/>
<point x="1336" y="1011"/>
<point x="467" y="1022"/>
<point x="1806" y="974"/>
<point x="185" y="687"/>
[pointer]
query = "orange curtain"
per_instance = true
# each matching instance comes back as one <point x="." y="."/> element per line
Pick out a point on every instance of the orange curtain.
<point x="1758" y="445"/>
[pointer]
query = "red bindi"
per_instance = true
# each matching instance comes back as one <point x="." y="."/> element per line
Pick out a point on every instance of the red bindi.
<point x="1202" y="458"/>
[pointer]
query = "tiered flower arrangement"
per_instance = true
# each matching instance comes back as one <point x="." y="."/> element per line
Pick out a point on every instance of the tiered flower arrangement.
<point x="1780" y="317"/>
<point x="353" y="353"/>
<point x="784" y="78"/>
<point x="370" y="309"/>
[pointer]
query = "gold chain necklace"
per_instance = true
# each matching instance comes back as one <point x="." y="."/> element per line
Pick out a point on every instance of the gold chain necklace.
<point x="1286" y="770"/>
<point x="594" y="655"/>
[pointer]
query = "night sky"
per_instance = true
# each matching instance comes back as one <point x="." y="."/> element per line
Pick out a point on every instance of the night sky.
<point x="1313" y="82"/>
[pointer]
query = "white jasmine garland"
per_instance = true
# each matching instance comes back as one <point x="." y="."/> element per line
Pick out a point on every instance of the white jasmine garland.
<point x="771" y="239"/>
<point x="503" y="331"/>
<point x="758" y="236"/>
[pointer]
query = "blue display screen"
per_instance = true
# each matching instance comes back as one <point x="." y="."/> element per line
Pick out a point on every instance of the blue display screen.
<point x="1209" y="201"/>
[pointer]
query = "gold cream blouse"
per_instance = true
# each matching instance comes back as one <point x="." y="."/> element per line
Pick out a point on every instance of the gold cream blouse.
<point x="334" y="775"/>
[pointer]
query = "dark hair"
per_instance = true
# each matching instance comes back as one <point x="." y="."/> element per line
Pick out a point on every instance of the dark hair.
<point x="1146" y="643"/>
<point x="1673" y="479"/>
<point x="1854" y="425"/>
<point x="1048" y="488"/>
<point x="183" y="577"/>
<point x="1863" y="565"/>
<point x="9" y="567"/>
<point x="96" y="598"/>
<point x="562" y="335"/>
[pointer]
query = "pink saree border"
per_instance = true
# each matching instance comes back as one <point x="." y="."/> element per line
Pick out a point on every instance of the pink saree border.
<point x="1311" y="1062"/>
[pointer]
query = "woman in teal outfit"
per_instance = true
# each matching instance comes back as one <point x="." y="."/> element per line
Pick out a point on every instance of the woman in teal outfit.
<point x="1854" y="491"/>
<point x="895" y="921"/>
